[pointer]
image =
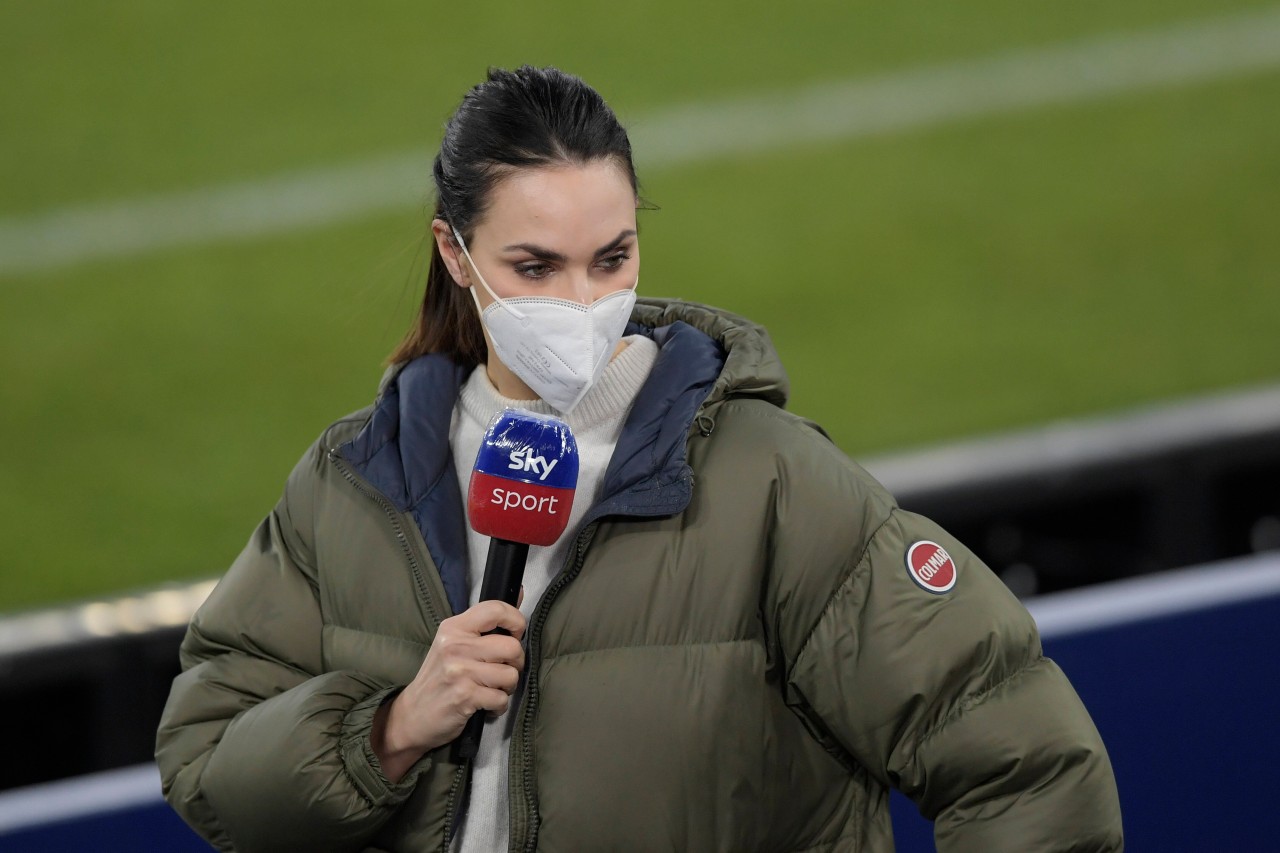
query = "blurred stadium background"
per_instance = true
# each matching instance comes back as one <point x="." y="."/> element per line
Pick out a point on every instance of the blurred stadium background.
<point x="955" y="220"/>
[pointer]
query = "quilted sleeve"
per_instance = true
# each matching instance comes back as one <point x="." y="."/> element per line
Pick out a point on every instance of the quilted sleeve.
<point x="929" y="672"/>
<point x="258" y="748"/>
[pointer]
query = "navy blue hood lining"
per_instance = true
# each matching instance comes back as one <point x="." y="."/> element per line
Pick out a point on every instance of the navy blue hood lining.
<point x="403" y="451"/>
<point x="647" y="474"/>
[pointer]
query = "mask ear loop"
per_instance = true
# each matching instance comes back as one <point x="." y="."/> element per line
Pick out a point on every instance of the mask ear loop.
<point x="497" y="300"/>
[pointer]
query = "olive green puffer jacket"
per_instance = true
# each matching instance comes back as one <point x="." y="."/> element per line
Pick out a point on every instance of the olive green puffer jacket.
<point x="738" y="656"/>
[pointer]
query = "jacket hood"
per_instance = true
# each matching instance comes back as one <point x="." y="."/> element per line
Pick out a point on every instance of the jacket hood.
<point x="751" y="368"/>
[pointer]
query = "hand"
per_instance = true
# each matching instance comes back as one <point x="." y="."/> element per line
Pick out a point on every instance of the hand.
<point x="464" y="672"/>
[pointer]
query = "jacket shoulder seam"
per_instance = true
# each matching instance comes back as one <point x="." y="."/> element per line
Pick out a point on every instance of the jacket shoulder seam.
<point x="857" y="568"/>
<point x="797" y="425"/>
<point x="764" y="409"/>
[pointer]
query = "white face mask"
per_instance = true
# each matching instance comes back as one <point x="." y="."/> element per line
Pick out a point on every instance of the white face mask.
<point x="557" y="347"/>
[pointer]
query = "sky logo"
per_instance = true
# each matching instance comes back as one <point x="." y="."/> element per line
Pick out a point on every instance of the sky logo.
<point x="525" y="459"/>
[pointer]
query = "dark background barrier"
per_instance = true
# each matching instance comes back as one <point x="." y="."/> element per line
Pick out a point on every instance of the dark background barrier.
<point x="1081" y="503"/>
<point x="86" y="706"/>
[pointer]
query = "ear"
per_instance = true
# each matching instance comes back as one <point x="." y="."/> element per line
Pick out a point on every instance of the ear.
<point x="450" y="253"/>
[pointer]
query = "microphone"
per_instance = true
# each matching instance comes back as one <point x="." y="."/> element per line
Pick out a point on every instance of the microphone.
<point x="520" y="494"/>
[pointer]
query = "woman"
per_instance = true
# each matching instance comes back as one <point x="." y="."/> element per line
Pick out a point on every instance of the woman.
<point x="739" y="643"/>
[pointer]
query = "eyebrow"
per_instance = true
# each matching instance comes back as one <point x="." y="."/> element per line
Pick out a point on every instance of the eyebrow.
<point x="550" y="255"/>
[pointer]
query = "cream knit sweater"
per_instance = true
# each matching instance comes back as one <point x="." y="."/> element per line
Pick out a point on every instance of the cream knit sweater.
<point x="596" y="424"/>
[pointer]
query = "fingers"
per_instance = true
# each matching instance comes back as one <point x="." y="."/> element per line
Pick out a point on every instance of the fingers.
<point x="463" y="646"/>
<point x="461" y="675"/>
<point x="497" y="676"/>
<point x="498" y="648"/>
<point x="492" y="701"/>
<point x="488" y="615"/>
<point x="483" y="687"/>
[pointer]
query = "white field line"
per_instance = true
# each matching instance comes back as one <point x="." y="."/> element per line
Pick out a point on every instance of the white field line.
<point x="1199" y="51"/>
<point x="1157" y="596"/>
<point x="79" y="797"/>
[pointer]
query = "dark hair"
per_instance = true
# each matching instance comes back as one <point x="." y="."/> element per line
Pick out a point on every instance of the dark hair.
<point x="526" y="118"/>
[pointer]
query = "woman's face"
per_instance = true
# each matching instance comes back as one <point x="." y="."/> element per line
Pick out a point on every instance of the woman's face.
<point x="567" y="232"/>
<point x="561" y="231"/>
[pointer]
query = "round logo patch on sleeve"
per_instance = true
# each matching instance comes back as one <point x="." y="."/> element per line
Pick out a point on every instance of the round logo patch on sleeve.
<point x="931" y="567"/>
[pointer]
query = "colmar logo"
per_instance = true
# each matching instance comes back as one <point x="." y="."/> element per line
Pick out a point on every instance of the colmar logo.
<point x="931" y="567"/>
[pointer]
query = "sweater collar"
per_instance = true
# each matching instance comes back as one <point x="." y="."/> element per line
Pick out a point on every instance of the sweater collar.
<point x="606" y="400"/>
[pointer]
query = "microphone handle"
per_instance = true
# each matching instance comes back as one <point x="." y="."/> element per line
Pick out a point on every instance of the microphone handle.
<point x="503" y="572"/>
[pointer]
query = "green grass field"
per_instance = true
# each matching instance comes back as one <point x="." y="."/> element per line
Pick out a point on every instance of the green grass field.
<point x="924" y="285"/>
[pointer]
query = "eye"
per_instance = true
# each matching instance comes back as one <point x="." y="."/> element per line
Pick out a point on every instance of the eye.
<point x="533" y="269"/>
<point x="614" y="261"/>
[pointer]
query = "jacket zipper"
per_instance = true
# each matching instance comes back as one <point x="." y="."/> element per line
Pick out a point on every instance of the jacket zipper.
<point x="522" y="740"/>
<point x="451" y="803"/>
<point x="393" y="516"/>
<point x="415" y="567"/>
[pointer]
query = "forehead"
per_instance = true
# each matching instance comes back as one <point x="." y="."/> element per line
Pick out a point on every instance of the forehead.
<point x="559" y="207"/>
